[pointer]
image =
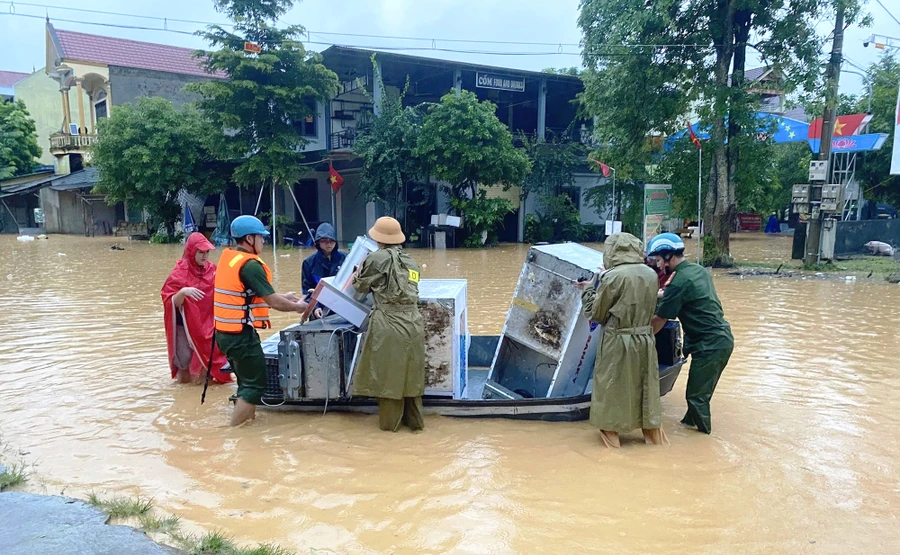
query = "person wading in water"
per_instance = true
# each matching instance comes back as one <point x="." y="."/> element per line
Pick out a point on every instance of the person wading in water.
<point x="392" y="364"/>
<point x="243" y="295"/>
<point x="626" y="375"/>
<point x="691" y="297"/>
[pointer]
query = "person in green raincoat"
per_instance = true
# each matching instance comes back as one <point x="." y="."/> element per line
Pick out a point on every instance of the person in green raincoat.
<point x="626" y="374"/>
<point x="392" y="364"/>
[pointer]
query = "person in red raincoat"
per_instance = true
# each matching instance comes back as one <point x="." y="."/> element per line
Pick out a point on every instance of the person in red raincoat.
<point x="187" y="297"/>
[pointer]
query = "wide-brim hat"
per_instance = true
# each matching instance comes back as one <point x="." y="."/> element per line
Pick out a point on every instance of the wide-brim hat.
<point x="387" y="230"/>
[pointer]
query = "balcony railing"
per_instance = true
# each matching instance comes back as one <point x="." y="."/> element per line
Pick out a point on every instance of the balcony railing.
<point x="66" y="142"/>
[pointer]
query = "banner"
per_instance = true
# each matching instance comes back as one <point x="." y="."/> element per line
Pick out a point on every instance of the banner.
<point x="657" y="209"/>
<point x="895" y="155"/>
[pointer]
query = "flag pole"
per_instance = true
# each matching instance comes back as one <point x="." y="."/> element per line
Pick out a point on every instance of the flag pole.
<point x="699" y="197"/>
<point x="333" y="206"/>
<point x="274" y="232"/>
<point x="615" y="216"/>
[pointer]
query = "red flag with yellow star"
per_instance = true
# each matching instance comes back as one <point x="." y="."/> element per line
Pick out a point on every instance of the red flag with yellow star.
<point x="335" y="178"/>
<point x="694" y="138"/>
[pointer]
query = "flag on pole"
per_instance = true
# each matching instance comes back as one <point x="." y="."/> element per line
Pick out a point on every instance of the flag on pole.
<point x="604" y="169"/>
<point x="694" y="138"/>
<point x="335" y="178"/>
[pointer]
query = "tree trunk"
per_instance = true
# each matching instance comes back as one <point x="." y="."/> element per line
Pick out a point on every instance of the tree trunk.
<point x="720" y="199"/>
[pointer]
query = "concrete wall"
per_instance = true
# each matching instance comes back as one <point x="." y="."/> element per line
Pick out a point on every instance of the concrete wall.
<point x="353" y="208"/>
<point x="41" y="96"/>
<point x="851" y="236"/>
<point x="63" y="212"/>
<point x="129" y="84"/>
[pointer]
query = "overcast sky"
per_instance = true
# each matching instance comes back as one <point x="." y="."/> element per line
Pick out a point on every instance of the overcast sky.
<point x="553" y="22"/>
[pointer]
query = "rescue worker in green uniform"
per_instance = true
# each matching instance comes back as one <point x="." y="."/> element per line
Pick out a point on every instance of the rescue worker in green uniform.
<point x="626" y="374"/>
<point x="392" y="364"/>
<point x="691" y="297"/>
<point x="242" y="296"/>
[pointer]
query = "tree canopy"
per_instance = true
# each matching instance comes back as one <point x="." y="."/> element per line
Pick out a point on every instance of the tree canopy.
<point x="465" y="144"/>
<point x="148" y="152"/>
<point x="649" y="64"/>
<point x="265" y="98"/>
<point x="874" y="171"/>
<point x="387" y="149"/>
<point x="19" y="148"/>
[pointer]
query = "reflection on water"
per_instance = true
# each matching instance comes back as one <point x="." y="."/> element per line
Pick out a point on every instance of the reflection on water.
<point x="802" y="459"/>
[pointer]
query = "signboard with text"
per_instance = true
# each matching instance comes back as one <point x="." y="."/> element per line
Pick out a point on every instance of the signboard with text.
<point x="499" y="82"/>
<point x="657" y="209"/>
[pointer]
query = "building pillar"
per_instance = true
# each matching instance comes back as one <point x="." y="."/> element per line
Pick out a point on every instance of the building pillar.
<point x="65" y="108"/>
<point x="80" y="100"/>
<point x="378" y="89"/>
<point x="457" y="80"/>
<point x="91" y="111"/>
<point x="509" y="117"/>
<point x="542" y="111"/>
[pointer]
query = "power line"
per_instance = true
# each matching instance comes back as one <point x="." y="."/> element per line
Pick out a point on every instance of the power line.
<point x="888" y="12"/>
<point x="166" y="20"/>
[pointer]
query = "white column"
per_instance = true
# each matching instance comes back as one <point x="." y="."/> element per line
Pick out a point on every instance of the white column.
<point x="457" y="80"/>
<point x="542" y="111"/>
<point x="378" y="89"/>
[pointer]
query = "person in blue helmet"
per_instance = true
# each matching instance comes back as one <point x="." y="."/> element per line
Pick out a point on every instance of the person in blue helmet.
<point x="243" y="295"/>
<point x="325" y="262"/>
<point x="691" y="297"/>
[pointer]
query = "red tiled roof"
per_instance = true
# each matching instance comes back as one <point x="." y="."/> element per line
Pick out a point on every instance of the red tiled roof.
<point x="10" y="78"/>
<point x="127" y="53"/>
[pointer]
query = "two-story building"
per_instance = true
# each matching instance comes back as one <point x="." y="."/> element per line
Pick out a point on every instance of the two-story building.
<point x="532" y="103"/>
<point x="85" y="77"/>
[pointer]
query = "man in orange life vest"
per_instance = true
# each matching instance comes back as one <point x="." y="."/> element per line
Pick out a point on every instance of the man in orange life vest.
<point x="243" y="295"/>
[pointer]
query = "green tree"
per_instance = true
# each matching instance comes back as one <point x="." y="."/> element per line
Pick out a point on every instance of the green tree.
<point x="19" y="148"/>
<point x="574" y="71"/>
<point x="264" y="99"/>
<point x="874" y="171"/>
<point x="147" y="153"/>
<point x="649" y="62"/>
<point x="387" y="149"/>
<point x="482" y="217"/>
<point x="464" y="144"/>
<point x="552" y="165"/>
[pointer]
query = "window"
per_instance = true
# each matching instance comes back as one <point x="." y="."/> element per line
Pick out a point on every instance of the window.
<point x="309" y="124"/>
<point x="100" y="107"/>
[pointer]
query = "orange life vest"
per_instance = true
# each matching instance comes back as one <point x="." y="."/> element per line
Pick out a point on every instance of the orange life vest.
<point x="234" y="305"/>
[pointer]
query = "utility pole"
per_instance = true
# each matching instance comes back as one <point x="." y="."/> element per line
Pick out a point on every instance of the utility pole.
<point x="832" y="78"/>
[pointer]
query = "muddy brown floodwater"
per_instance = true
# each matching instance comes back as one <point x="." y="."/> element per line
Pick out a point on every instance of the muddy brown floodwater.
<point x="803" y="457"/>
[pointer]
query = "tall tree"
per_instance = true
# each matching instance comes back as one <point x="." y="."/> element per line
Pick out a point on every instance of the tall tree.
<point x="19" y="148"/>
<point x="649" y="63"/>
<point x="148" y="152"/>
<point x="387" y="149"/>
<point x="874" y="171"/>
<point x="263" y="99"/>
<point x="466" y="145"/>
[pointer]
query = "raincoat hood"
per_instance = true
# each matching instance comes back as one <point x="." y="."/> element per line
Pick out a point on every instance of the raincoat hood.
<point x="325" y="231"/>
<point x="195" y="242"/>
<point x="622" y="248"/>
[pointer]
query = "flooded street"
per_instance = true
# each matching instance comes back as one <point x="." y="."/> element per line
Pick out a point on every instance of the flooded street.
<point x="803" y="457"/>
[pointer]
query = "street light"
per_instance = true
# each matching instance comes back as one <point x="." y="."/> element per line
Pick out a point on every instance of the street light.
<point x="882" y="42"/>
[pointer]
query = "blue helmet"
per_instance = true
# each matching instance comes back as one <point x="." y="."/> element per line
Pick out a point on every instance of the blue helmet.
<point x="243" y="226"/>
<point x="664" y="243"/>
